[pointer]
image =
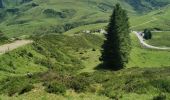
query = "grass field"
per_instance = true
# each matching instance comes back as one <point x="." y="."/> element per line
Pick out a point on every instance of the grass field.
<point x="160" y="39"/>
<point x="76" y="63"/>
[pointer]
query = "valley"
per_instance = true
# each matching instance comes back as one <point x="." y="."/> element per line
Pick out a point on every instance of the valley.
<point x="56" y="50"/>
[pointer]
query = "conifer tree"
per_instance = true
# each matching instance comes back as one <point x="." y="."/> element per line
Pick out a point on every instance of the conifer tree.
<point x="147" y="34"/>
<point x="117" y="46"/>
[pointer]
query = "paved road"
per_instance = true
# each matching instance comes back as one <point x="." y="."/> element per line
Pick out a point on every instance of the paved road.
<point x="11" y="46"/>
<point x="142" y="42"/>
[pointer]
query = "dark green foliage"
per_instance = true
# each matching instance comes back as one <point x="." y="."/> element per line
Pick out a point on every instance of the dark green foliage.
<point x="133" y="80"/>
<point x="2" y="15"/>
<point x="147" y="34"/>
<point x="56" y="88"/>
<point x="1" y="4"/>
<point x="55" y="82"/>
<point x="163" y="85"/>
<point x="117" y="45"/>
<point x="79" y="83"/>
<point x="53" y="13"/>
<point x="13" y="85"/>
<point x="13" y="10"/>
<point x="160" y="97"/>
<point x="61" y="14"/>
<point x="26" y="88"/>
<point x="34" y="4"/>
<point x="3" y="38"/>
<point x="25" y="1"/>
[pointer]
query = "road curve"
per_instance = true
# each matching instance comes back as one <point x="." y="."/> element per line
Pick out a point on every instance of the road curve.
<point x="11" y="46"/>
<point x="142" y="42"/>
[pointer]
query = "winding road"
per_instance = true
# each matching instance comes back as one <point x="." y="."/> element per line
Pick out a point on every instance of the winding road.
<point x="11" y="46"/>
<point x="144" y="44"/>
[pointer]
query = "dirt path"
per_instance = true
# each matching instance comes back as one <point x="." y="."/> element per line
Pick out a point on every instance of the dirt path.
<point x="11" y="46"/>
<point x="142" y="42"/>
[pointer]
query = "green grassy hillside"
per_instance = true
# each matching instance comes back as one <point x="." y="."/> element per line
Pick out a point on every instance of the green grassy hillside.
<point x="63" y="61"/>
<point x="160" y="39"/>
<point x="71" y="62"/>
<point x="27" y="17"/>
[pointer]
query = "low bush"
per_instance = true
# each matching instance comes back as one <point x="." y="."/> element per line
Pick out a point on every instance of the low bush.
<point x="16" y="85"/>
<point x="56" y="88"/>
<point x="162" y="84"/>
<point x="160" y="97"/>
<point x="53" y="13"/>
<point x="80" y="83"/>
<point x="26" y="88"/>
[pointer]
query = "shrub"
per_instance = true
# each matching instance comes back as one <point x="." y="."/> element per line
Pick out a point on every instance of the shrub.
<point x="3" y="38"/>
<point x="79" y="83"/>
<point x="26" y="88"/>
<point x="15" y="85"/>
<point x="147" y="34"/>
<point x="93" y="49"/>
<point x="56" y="88"/>
<point x="53" y="13"/>
<point x="162" y="84"/>
<point x="160" y="97"/>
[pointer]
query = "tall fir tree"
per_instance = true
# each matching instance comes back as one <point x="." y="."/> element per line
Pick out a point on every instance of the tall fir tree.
<point x="117" y="46"/>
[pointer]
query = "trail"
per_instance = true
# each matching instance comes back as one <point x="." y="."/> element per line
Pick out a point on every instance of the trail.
<point x="11" y="46"/>
<point x="142" y="42"/>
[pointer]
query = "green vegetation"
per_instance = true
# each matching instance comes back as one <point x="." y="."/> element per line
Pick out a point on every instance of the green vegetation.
<point x="36" y="17"/>
<point x="144" y="58"/>
<point x="57" y="88"/>
<point x="117" y="46"/>
<point x="160" y="39"/>
<point x="62" y="62"/>
<point x="147" y="34"/>
<point x="66" y="72"/>
<point x="41" y="56"/>
<point x="3" y="38"/>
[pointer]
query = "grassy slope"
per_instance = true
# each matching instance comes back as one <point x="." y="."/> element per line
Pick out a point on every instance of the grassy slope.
<point x="72" y="54"/>
<point x="19" y="62"/>
<point x="141" y="57"/>
<point x="160" y="39"/>
<point x="32" y="19"/>
<point x="40" y="56"/>
<point x="133" y="82"/>
<point x="158" y="19"/>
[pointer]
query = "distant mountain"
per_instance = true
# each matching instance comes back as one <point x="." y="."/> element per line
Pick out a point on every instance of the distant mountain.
<point x="57" y="16"/>
<point x="147" y="5"/>
<point x="137" y="5"/>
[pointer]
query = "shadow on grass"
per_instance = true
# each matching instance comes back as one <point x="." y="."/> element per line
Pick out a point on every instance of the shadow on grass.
<point x="102" y="66"/>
